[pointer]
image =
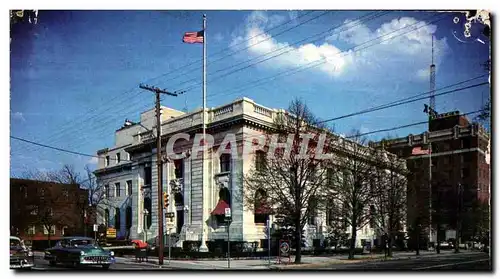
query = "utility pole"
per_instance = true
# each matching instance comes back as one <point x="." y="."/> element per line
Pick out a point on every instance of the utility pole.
<point x="459" y="209"/>
<point x="159" y="163"/>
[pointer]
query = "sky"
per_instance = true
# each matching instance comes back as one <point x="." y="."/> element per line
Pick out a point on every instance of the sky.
<point x="75" y="74"/>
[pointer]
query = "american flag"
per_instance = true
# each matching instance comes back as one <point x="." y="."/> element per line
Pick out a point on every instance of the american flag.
<point x="419" y="151"/>
<point x="193" y="37"/>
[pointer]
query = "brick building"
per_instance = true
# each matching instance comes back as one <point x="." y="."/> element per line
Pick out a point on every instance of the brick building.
<point x="460" y="179"/>
<point x="40" y="210"/>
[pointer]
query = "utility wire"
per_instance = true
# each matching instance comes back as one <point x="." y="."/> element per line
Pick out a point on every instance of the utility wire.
<point x="348" y="137"/>
<point x="247" y="47"/>
<point x="287" y="47"/>
<point x="315" y="63"/>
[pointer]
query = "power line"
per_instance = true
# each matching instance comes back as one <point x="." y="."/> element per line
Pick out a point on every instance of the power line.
<point x="61" y="132"/>
<point x="247" y="47"/>
<point x="312" y="64"/>
<point x="401" y="103"/>
<point x="405" y="126"/>
<point x="223" y="50"/>
<point x="287" y="48"/>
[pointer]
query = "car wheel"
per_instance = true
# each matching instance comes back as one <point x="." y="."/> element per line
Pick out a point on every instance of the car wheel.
<point x="105" y="266"/>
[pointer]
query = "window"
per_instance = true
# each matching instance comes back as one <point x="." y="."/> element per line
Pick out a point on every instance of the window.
<point x="446" y="146"/>
<point x="41" y="192"/>
<point x="224" y="195"/>
<point x="465" y="143"/>
<point x="65" y="194"/>
<point x="179" y="168"/>
<point x="32" y="230"/>
<point x="24" y="191"/>
<point x="312" y="208"/>
<point x="117" y="218"/>
<point x="128" y="217"/>
<point x="225" y="163"/>
<point x="127" y="156"/>
<point x="372" y="216"/>
<point x="106" y="217"/>
<point x="260" y="160"/>
<point x="117" y="189"/>
<point x="106" y="191"/>
<point x="446" y="160"/>
<point x="34" y="211"/>
<point x="52" y="230"/>
<point x="106" y="161"/>
<point x="147" y="176"/>
<point x="63" y="230"/>
<point x="261" y="207"/>
<point x="434" y="162"/>
<point x="329" y="176"/>
<point x="118" y="157"/>
<point x="465" y="172"/>
<point x="129" y="187"/>
<point x="50" y="212"/>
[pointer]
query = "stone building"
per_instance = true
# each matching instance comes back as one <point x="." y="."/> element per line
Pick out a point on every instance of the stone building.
<point x="129" y="172"/>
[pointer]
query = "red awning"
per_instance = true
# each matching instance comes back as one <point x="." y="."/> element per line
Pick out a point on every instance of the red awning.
<point x="220" y="208"/>
<point x="264" y="208"/>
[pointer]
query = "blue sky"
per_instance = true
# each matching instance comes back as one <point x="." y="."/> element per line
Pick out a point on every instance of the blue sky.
<point x="75" y="74"/>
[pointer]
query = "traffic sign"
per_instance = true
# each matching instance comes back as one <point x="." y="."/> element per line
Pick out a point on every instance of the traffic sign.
<point x="227" y="212"/>
<point x="284" y="248"/>
<point x="96" y="227"/>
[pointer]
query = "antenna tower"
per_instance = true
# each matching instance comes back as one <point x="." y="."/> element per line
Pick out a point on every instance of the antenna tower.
<point x="432" y="100"/>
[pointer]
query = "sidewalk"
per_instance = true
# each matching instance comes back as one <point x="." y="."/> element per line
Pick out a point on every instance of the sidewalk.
<point x="307" y="261"/>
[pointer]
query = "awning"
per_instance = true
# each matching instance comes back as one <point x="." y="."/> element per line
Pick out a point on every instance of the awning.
<point x="263" y="208"/>
<point x="220" y="209"/>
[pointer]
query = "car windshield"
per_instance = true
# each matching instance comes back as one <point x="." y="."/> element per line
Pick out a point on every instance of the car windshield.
<point x="82" y="242"/>
<point x="15" y="242"/>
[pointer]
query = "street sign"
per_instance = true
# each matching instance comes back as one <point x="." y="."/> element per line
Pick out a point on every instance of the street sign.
<point x="96" y="227"/>
<point x="111" y="233"/>
<point x="284" y="248"/>
<point x="227" y="212"/>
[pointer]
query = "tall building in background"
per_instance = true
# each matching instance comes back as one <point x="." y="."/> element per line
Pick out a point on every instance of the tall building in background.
<point x="460" y="180"/>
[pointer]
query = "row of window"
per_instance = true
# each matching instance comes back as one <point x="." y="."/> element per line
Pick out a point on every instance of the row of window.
<point x="117" y="159"/>
<point x="117" y="189"/>
<point x="117" y="217"/>
<point x="32" y="230"/>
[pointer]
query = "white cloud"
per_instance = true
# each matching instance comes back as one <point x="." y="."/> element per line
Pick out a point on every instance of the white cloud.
<point x="92" y="161"/>
<point x="408" y="54"/>
<point x="18" y="116"/>
<point x="218" y="37"/>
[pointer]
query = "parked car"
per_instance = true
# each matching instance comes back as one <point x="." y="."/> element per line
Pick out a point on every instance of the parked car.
<point x="20" y="256"/>
<point x="79" y="251"/>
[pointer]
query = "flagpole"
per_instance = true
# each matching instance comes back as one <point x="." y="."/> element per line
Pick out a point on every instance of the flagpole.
<point x="203" y="246"/>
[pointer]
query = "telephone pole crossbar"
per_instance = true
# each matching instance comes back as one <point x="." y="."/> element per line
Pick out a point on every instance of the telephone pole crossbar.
<point x="157" y="92"/>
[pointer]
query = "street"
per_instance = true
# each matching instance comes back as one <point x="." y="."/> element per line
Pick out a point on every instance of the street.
<point x="402" y="262"/>
<point x="461" y="261"/>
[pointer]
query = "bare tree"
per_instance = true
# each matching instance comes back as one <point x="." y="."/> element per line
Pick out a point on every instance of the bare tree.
<point x="289" y="180"/>
<point x="389" y="206"/>
<point x="351" y="185"/>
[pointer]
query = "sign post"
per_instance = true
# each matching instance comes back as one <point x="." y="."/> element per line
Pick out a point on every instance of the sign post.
<point x="96" y="228"/>
<point x="227" y="214"/>
<point x="269" y="241"/>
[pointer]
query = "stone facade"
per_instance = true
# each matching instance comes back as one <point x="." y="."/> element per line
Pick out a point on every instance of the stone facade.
<point x="195" y="186"/>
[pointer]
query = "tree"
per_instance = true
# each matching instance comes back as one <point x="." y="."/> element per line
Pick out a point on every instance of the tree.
<point x="291" y="178"/>
<point x="352" y="184"/>
<point x="389" y="204"/>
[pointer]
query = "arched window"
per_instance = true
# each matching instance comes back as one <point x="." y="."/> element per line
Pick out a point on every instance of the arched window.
<point x="261" y="207"/>
<point x="106" y="217"/>
<point x="225" y="195"/>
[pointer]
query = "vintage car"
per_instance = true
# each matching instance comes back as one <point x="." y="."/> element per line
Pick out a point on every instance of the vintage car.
<point x="20" y="256"/>
<point x="78" y="252"/>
